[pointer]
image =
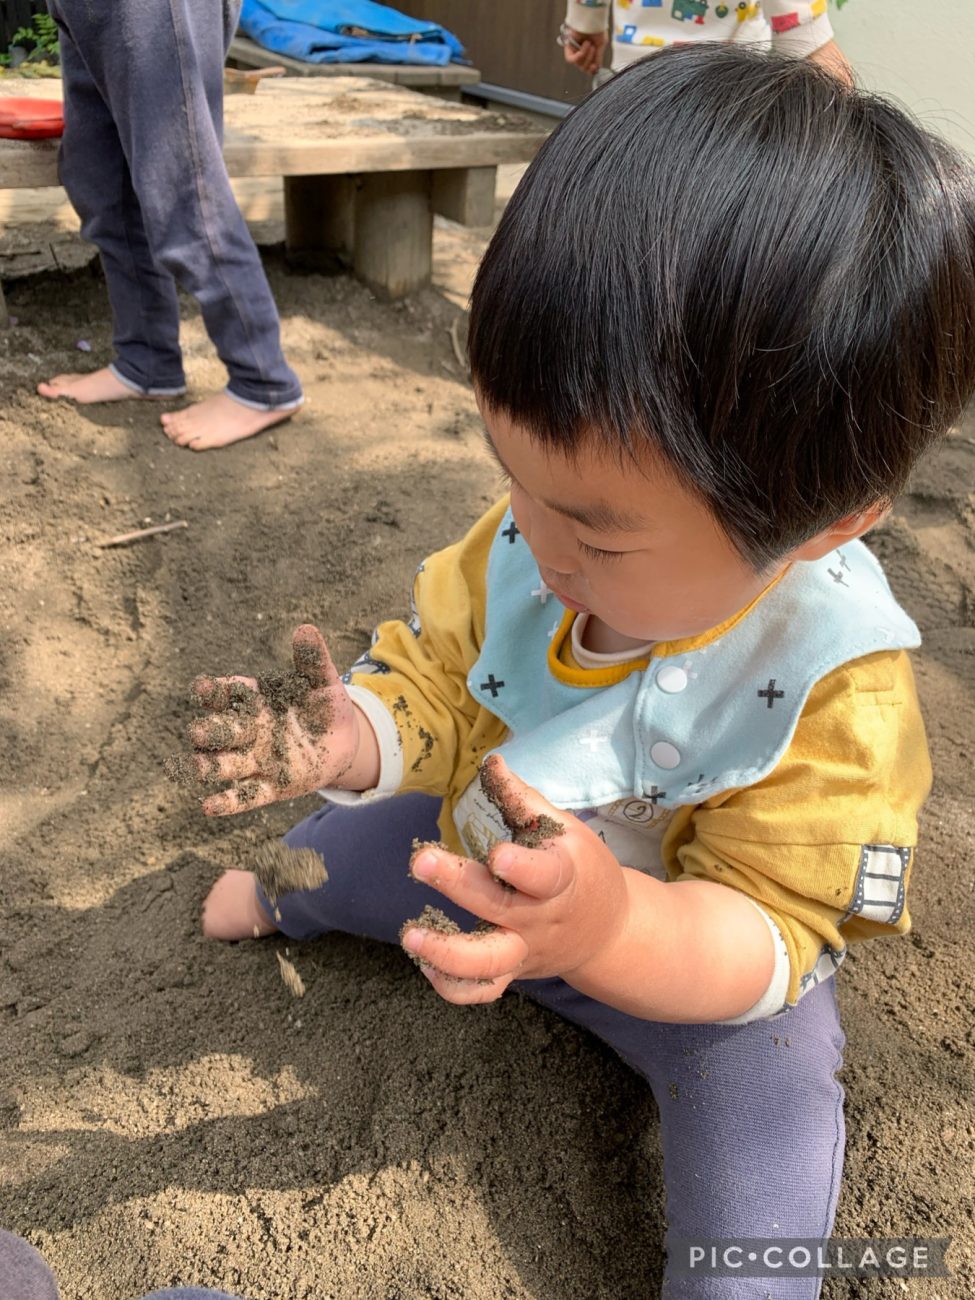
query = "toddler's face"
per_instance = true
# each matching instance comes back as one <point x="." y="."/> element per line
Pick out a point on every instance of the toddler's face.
<point x="622" y="541"/>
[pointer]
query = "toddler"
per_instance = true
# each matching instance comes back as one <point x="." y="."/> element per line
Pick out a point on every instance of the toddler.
<point x="652" y="721"/>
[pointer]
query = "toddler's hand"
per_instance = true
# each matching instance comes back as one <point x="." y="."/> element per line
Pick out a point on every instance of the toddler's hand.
<point x="276" y="736"/>
<point x="555" y="899"/>
<point x="832" y="58"/>
<point x="583" y="49"/>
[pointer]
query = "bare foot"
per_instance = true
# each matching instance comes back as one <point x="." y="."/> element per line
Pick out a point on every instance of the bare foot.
<point x="217" y="422"/>
<point x="98" y="386"/>
<point x="231" y="909"/>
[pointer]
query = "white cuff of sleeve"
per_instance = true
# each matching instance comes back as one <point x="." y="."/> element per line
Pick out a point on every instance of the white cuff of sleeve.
<point x="592" y="18"/>
<point x="773" y="999"/>
<point x="799" y="42"/>
<point x="390" y="751"/>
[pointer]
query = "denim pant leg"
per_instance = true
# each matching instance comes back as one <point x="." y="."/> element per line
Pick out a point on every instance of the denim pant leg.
<point x="93" y="170"/>
<point x="158" y="65"/>
<point x="751" y="1116"/>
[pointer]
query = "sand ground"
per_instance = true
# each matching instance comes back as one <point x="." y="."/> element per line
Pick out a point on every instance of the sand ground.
<point x="167" y="1112"/>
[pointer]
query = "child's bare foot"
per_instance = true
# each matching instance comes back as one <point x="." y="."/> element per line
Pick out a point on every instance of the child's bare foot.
<point x="98" y="386"/>
<point x="231" y="909"/>
<point x="217" y="422"/>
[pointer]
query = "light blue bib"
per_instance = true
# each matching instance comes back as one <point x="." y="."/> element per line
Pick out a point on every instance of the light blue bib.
<point x="690" y="725"/>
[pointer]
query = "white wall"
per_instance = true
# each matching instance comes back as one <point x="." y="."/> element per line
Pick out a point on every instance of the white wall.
<point x="922" y="52"/>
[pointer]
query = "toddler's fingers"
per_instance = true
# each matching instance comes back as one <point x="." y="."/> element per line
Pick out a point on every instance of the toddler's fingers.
<point x="311" y="657"/>
<point x="240" y="798"/>
<point x="212" y="769"/>
<point x="525" y="810"/>
<point x="467" y="883"/>
<point x="219" y="693"/>
<point x="539" y="873"/>
<point x="489" y="955"/>
<point x="465" y="993"/>
<point x="225" y="731"/>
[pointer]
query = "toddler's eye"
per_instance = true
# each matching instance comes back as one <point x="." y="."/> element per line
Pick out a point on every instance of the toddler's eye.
<point x="595" y="553"/>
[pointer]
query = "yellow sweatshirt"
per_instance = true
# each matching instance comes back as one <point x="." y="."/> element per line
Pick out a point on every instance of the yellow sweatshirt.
<point x="835" y="820"/>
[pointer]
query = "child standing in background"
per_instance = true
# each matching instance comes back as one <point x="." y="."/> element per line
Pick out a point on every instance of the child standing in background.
<point x="797" y="28"/>
<point x="653" y="721"/>
<point x="142" y="162"/>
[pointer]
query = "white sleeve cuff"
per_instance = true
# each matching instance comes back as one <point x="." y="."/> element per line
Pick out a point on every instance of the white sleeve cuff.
<point x="589" y="18"/>
<point x="799" y="42"/>
<point x="390" y="751"/>
<point x="773" y="999"/>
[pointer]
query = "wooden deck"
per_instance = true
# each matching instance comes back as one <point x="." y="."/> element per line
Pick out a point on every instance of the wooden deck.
<point x="365" y="165"/>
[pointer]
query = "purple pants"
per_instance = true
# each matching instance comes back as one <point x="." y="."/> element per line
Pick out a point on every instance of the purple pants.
<point x="752" y="1133"/>
<point x="25" y="1276"/>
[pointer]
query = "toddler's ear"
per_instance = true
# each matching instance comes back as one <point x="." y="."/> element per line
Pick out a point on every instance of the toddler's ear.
<point x="844" y="530"/>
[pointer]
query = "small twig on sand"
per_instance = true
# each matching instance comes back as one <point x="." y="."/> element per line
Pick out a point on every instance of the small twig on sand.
<point x="139" y="533"/>
<point x="455" y="342"/>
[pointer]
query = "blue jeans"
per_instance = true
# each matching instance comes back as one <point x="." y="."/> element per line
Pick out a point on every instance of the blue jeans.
<point x="141" y="161"/>
<point x="751" y="1116"/>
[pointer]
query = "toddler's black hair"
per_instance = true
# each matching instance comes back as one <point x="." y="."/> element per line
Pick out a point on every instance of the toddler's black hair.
<point x="763" y="276"/>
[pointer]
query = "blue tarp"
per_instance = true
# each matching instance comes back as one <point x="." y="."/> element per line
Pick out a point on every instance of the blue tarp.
<point x="346" y="31"/>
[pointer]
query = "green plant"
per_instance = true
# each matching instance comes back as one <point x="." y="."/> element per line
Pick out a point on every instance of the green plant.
<point x="39" y="39"/>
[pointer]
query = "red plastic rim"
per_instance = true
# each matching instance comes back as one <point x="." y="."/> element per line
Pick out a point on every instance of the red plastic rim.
<point x="30" y="119"/>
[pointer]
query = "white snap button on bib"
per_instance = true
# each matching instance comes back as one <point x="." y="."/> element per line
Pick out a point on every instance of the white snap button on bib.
<point x="672" y="679"/>
<point x="665" y="755"/>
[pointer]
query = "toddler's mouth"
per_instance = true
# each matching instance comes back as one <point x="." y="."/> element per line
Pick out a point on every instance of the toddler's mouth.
<point x="567" y="601"/>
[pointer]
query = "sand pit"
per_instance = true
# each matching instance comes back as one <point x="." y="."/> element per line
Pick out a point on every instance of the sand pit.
<point x="168" y="1113"/>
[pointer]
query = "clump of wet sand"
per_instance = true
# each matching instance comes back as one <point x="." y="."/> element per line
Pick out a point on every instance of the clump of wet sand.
<point x="528" y="829"/>
<point x="283" y="691"/>
<point x="293" y="981"/>
<point x="431" y="918"/>
<point x="180" y="769"/>
<point x="281" y="869"/>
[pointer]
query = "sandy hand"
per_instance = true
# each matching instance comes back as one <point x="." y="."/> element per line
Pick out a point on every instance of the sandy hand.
<point x="584" y="49"/>
<point x="554" y="898"/>
<point x="277" y="736"/>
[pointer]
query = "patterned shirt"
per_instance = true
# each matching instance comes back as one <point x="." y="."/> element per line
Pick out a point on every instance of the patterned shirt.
<point x="793" y="27"/>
